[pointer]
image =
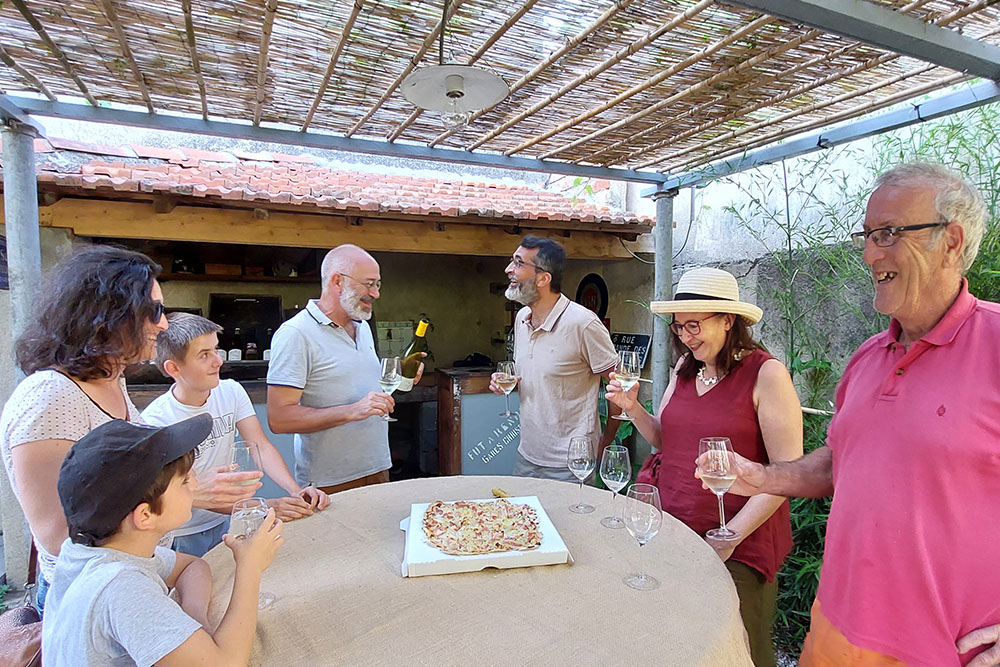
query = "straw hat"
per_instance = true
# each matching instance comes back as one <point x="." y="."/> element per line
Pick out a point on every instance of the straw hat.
<point x="708" y="290"/>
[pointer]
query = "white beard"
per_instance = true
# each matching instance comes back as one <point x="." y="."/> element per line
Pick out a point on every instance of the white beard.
<point x="350" y="301"/>
<point x="524" y="293"/>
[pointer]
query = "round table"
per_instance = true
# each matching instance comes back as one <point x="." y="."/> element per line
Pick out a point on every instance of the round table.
<point x="342" y="600"/>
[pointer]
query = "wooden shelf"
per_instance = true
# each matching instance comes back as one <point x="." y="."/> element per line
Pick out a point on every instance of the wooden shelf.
<point x="199" y="277"/>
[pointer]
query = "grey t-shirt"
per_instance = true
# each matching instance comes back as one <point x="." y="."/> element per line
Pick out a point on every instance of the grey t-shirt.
<point x="107" y="608"/>
<point x="311" y="353"/>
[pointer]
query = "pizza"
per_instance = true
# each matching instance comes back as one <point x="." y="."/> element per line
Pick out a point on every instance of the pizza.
<point x="465" y="528"/>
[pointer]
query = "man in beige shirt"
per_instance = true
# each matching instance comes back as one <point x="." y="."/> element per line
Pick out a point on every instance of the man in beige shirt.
<point x="561" y="350"/>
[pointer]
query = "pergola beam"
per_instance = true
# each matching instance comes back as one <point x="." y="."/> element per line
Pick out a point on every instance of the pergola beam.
<point x="187" y="124"/>
<point x="193" y="51"/>
<point x="112" y="14"/>
<point x="888" y="29"/>
<point x="11" y="114"/>
<point x="270" y="9"/>
<point x="962" y="100"/>
<point x="9" y="61"/>
<point x="345" y="36"/>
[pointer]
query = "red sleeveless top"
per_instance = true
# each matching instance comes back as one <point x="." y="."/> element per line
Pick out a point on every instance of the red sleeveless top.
<point x="725" y="410"/>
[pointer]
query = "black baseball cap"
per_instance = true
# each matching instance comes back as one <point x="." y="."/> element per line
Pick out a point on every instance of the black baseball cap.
<point x="108" y="471"/>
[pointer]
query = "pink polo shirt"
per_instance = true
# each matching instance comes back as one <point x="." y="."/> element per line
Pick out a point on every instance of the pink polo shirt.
<point x="912" y="558"/>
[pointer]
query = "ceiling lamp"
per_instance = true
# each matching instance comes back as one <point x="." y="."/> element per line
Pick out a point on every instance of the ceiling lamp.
<point x="455" y="91"/>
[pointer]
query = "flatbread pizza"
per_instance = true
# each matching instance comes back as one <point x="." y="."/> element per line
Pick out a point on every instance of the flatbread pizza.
<point x="465" y="528"/>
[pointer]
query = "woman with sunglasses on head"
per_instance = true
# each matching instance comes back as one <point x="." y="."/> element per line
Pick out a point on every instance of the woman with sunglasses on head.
<point x="724" y="384"/>
<point x="100" y="310"/>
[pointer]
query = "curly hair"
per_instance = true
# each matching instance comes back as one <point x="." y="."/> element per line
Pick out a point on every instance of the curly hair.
<point x="91" y="314"/>
<point x="738" y="338"/>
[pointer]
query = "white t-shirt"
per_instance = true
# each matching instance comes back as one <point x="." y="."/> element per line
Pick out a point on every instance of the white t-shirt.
<point x="107" y="608"/>
<point x="47" y="405"/>
<point x="228" y="404"/>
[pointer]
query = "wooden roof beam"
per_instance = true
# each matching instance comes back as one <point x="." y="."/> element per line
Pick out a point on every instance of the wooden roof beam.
<point x="112" y="14"/>
<point x="676" y="21"/>
<point x="417" y="57"/>
<point x="500" y="32"/>
<point x="888" y="29"/>
<point x="9" y="61"/>
<point x="54" y="49"/>
<point x="270" y="9"/>
<point x="578" y="39"/>
<point x="192" y="47"/>
<point x="345" y="36"/>
<point x="706" y="52"/>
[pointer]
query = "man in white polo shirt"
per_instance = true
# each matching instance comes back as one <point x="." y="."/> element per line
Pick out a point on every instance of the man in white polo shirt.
<point x="322" y="382"/>
<point x="561" y="350"/>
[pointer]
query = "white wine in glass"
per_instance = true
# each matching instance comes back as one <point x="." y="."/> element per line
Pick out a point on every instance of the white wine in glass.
<point x="507" y="380"/>
<point x="643" y="518"/>
<point x="627" y="373"/>
<point x="717" y="469"/>
<point x="616" y="471"/>
<point x="390" y="379"/>
<point x="581" y="460"/>
<point x="248" y="516"/>
<point x="246" y="458"/>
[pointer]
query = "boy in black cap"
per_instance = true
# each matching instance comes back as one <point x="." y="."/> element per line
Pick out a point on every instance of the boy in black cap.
<point x="122" y="487"/>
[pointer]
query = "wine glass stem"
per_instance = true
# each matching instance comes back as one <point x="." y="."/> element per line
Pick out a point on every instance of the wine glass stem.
<point x="722" y="514"/>
<point x="506" y="398"/>
<point x="640" y="573"/>
<point x="613" y="494"/>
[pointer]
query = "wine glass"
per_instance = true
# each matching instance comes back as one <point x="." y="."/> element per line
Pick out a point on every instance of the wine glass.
<point x="247" y="517"/>
<point x="717" y="469"/>
<point x="643" y="517"/>
<point x="616" y="471"/>
<point x="581" y="461"/>
<point x="627" y="374"/>
<point x="246" y="458"/>
<point x="390" y="379"/>
<point x="507" y="381"/>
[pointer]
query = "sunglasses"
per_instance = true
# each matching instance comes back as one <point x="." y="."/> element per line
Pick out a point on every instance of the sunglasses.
<point x="156" y="311"/>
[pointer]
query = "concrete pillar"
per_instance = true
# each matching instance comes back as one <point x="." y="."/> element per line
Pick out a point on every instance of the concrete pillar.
<point x="24" y="268"/>
<point x="663" y="272"/>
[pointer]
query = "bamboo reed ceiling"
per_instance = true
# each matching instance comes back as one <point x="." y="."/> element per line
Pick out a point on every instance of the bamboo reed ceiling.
<point x="655" y="84"/>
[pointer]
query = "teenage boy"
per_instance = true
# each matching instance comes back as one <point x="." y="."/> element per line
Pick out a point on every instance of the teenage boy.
<point x="124" y="486"/>
<point x="189" y="355"/>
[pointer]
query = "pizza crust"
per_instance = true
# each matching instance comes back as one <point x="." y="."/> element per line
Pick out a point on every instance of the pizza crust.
<point x="466" y="528"/>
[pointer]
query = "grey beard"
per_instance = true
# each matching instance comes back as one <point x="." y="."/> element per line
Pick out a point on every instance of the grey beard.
<point x="525" y="294"/>
<point x="350" y="301"/>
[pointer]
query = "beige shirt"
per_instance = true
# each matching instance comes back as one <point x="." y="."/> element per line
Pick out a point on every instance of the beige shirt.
<point x="560" y="364"/>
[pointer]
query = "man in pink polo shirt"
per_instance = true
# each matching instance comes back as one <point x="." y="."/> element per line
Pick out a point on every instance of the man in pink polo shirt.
<point x="561" y="350"/>
<point x="910" y="569"/>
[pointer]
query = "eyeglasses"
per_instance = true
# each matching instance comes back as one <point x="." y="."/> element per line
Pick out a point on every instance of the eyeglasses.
<point x="693" y="327"/>
<point x="886" y="236"/>
<point x="156" y="311"/>
<point x="370" y="284"/>
<point x="520" y="263"/>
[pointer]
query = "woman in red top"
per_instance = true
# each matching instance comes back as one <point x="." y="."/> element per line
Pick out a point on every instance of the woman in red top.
<point x="724" y="384"/>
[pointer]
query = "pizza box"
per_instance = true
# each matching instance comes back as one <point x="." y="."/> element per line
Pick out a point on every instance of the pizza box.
<point x="420" y="558"/>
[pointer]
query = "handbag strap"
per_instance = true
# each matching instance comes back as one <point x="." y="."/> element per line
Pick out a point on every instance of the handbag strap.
<point x="32" y="565"/>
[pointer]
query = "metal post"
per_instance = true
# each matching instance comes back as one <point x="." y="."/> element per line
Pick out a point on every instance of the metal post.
<point x="24" y="267"/>
<point x="663" y="274"/>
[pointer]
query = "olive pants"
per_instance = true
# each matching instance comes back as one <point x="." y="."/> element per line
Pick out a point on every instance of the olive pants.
<point x="758" y="599"/>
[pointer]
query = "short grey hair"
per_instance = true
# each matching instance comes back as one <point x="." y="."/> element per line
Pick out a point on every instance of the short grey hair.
<point x="956" y="200"/>
<point x="339" y="260"/>
<point x="172" y="342"/>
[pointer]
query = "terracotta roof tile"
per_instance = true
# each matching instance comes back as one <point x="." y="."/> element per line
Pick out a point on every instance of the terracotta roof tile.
<point x="287" y="179"/>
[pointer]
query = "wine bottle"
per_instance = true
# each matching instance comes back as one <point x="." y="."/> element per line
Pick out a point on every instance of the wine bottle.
<point x="236" y="351"/>
<point x="412" y="357"/>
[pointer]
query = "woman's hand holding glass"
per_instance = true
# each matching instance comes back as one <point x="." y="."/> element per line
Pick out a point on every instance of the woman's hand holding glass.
<point x="717" y="470"/>
<point x="627" y="374"/>
<point x="616" y="393"/>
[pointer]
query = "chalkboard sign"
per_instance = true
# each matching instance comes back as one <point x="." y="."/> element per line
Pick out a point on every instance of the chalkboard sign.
<point x="625" y="342"/>
<point x="489" y="442"/>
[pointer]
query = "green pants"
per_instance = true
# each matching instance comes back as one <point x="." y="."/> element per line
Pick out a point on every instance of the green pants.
<point x="757" y="604"/>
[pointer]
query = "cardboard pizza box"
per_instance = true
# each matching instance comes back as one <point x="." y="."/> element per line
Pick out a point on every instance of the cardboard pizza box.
<point x="420" y="558"/>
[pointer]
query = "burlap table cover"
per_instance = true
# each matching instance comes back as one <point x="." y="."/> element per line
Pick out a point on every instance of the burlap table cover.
<point x="342" y="600"/>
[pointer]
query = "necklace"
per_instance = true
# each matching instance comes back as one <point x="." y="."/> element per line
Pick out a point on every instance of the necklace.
<point x="708" y="382"/>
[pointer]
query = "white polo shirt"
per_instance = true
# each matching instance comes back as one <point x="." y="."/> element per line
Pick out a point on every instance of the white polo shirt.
<point x="310" y="352"/>
<point x="560" y="364"/>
